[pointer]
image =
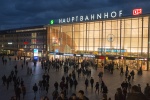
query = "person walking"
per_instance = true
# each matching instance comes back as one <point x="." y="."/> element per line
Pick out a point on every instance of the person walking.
<point x="56" y="85"/>
<point x="35" y="89"/>
<point x="66" y="87"/>
<point x="79" y="72"/>
<point x="126" y="74"/>
<point x="105" y="89"/>
<point x="4" y="79"/>
<point x="97" y="87"/>
<point x="147" y="91"/>
<point x="40" y="85"/>
<point x="92" y="82"/>
<point x="102" y="85"/>
<point x="129" y="77"/>
<point x="75" y="84"/>
<point x="86" y="83"/>
<point x="132" y="74"/>
<point x="22" y="66"/>
<point x="71" y="83"/>
<point x="121" y="71"/>
<point x="100" y="75"/>
<point x="55" y="94"/>
<point x="23" y="88"/>
<point x="17" y="92"/>
<point x="47" y="87"/>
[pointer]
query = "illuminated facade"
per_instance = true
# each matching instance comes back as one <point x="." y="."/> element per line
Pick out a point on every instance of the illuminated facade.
<point x="127" y="38"/>
<point x="22" y="41"/>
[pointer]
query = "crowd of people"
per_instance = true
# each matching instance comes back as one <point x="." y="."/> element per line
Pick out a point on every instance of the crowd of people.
<point x="69" y="81"/>
<point x="16" y="81"/>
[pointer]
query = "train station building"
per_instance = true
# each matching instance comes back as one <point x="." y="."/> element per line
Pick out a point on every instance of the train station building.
<point x="104" y="36"/>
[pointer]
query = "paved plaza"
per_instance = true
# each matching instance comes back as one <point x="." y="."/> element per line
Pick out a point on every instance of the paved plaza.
<point x="112" y="81"/>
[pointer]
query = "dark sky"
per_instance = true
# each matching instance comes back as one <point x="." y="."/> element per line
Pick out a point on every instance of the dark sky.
<point x="23" y="13"/>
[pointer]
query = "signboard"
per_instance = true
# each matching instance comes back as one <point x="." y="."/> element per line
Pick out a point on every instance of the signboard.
<point x="25" y="43"/>
<point x="137" y="11"/>
<point x="89" y="56"/>
<point x="35" y="52"/>
<point x="9" y="42"/>
<point x="111" y="50"/>
<point x="101" y="10"/>
<point x="99" y="57"/>
<point x="106" y="13"/>
<point x="97" y="16"/>
<point x="68" y="54"/>
<point x="35" y="58"/>
<point x="77" y="55"/>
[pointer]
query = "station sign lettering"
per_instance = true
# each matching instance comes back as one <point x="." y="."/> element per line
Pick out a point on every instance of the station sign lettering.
<point x="97" y="16"/>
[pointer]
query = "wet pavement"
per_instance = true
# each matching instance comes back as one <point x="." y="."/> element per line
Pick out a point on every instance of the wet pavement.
<point x="112" y="81"/>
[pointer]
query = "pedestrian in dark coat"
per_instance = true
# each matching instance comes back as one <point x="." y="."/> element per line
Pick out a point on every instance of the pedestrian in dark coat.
<point x="119" y="95"/>
<point x="75" y="84"/>
<point x="86" y="83"/>
<point x="97" y="87"/>
<point x="35" y="89"/>
<point x="92" y="82"/>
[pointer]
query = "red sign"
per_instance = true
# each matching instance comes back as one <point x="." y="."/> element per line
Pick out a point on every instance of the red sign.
<point x="25" y="43"/>
<point x="137" y="11"/>
<point x="102" y="57"/>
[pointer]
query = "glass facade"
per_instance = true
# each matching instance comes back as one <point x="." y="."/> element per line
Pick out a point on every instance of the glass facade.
<point x="127" y="37"/>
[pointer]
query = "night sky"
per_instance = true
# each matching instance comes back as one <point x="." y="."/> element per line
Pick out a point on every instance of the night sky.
<point x="24" y="13"/>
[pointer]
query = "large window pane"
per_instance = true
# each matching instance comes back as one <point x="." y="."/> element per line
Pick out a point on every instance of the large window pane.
<point x="145" y="22"/>
<point x="134" y="42"/>
<point x="127" y="42"/>
<point x="81" y="42"/>
<point x="90" y="42"/>
<point x="134" y="22"/>
<point x="127" y="33"/>
<point x="145" y="42"/>
<point x="90" y="26"/>
<point x="90" y="34"/>
<point x="108" y="24"/>
<point x="96" y="34"/>
<point x="145" y="32"/>
<point x="97" y="42"/>
<point x="76" y="27"/>
<point x="114" y="24"/>
<point x="128" y="23"/>
<point x="134" y="32"/>
<point x="97" y="26"/>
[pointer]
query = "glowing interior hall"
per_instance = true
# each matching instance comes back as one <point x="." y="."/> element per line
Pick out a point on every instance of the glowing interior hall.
<point x="118" y="37"/>
<point x="129" y="34"/>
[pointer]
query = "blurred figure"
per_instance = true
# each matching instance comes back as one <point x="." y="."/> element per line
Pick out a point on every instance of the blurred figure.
<point x="81" y="95"/>
<point x="136" y="94"/>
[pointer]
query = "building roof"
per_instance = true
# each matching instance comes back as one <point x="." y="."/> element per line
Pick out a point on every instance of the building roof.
<point x="23" y="29"/>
